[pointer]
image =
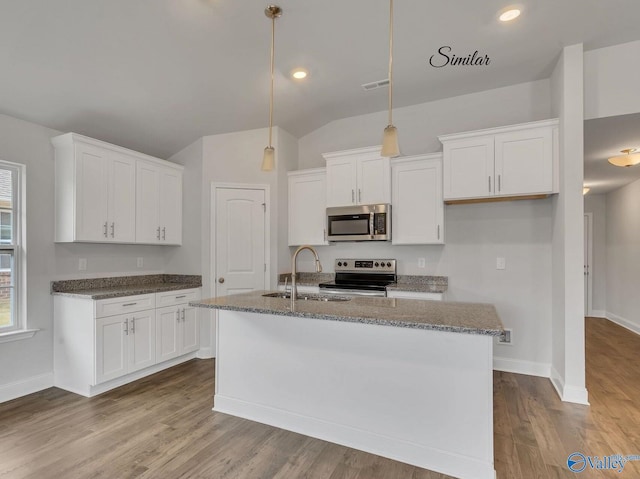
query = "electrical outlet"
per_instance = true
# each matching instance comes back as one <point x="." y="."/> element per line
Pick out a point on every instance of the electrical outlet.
<point x="507" y="337"/>
<point x="82" y="264"/>
<point x="421" y="263"/>
<point x="501" y="263"/>
<point x="140" y="262"/>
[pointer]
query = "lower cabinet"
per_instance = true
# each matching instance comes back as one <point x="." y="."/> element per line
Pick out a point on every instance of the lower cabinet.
<point x="99" y="345"/>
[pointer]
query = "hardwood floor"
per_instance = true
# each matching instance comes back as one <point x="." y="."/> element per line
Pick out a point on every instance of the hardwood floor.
<point x="162" y="427"/>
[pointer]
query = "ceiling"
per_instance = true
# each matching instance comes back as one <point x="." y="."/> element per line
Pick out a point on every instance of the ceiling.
<point x="155" y="75"/>
<point x="604" y="138"/>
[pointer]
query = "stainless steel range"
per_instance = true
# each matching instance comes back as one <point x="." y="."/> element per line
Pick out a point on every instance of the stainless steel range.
<point x="361" y="277"/>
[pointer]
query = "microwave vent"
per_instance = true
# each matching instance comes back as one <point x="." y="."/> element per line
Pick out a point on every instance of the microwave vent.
<point x="374" y="85"/>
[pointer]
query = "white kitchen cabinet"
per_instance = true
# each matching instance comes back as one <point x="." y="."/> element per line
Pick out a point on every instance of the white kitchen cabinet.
<point x="99" y="345"/>
<point x="415" y="295"/>
<point x="418" y="209"/>
<point x="158" y="204"/>
<point x="358" y="177"/>
<point x="178" y="330"/>
<point x="307" y="207"/>
<point x="95" y="193"/>
<point x="514" y="161"/>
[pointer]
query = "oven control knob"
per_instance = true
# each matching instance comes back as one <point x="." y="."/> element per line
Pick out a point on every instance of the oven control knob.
<point x="389" y="265"/>
<point x="378" y="264"/>
<point x="339" y="263"/>
<point x="344" y="264"/>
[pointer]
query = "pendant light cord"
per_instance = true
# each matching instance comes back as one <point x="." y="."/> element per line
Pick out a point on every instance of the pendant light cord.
<point x="273" y="35"/>
<point x="390" y="60"/>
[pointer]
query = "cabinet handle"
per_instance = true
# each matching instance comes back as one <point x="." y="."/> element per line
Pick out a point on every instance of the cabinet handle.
<point x="353" y="196"/>
<point x="177" y="315"/>
<point x="164" y="231"/>
<point x="499" y="182"/>
<point x="113" y="229"/>
<point x="182" y="314"/>
<point x="126" y="327"/>
<point x="325" y="234"/>
<point x="158" y="233"/>
<point x="489" y="184"/>
<point x="129" y="304"/>
<point x="359" y="195"/>
<point x="183" y="296"/>
<point x="105" y="229"/>
<point x="438" y="231"/>
<point x="133" y="325"/>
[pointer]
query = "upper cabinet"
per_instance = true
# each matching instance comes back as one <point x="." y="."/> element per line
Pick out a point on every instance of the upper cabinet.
<point x="418" y="210"/>
<point x="97" y="193"/>
<point x="514" y="161"/>
<point x="357" y="177"/>
<point x="307" y="207"/>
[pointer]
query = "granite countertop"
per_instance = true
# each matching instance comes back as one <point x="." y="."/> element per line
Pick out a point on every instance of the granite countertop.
<point x="472" y="318"/>
<point x="119" y="286"/>
<point x="418" y="284"/>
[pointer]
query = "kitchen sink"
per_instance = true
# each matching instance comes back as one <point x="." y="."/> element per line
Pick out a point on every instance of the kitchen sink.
<point x="308" y="296"/>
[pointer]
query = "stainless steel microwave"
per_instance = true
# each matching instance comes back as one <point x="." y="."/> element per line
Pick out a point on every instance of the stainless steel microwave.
<point x="359" y="223"/>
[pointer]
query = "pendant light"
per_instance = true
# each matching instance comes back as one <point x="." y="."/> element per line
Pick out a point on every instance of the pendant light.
<point x="627" y="159"/>
<point x="390" y="137"/>
<point x="268" y="160"/>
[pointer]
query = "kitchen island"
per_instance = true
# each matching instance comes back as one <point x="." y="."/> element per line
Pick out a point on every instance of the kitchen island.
<point x="406" y="379"/>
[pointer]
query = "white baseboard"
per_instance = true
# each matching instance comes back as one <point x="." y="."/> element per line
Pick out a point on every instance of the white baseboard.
<point x="577" y="395"/>
<point x="598" y="313"/>
<point x="205" y="353"/>
<point x="625" y="323"/>
<point x="519" y="366"/>
<point x="25" y="386"/>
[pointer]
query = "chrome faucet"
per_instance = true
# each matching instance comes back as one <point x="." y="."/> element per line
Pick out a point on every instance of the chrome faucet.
<point x="294" y="259"/>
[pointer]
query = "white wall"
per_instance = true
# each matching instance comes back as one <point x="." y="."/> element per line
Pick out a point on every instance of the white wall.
<point x="475" y="234"/>
<point x="568" y="362"/>
<point x="419" y="125"/>
<point x="596" y="205"/>
<point x="623" y="255"/>
<point x="611" y="78"/>
<point x="31" y="360"/>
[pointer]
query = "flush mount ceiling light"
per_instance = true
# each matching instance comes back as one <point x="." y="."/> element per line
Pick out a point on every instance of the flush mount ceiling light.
<point x="585" y="190"/>
<point x="390" y="137"/>
<point x="268" y="161"/>
<point x="299" y="73"/>
<point x="627" y="159"/>
<point x="509" y="15"/>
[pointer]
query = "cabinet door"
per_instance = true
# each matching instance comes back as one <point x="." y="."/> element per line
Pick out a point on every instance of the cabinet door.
<point x="167" y="335"/>
<point x="111" y="348"/>
<point x="307" y="209"/>
<point x="142" y="340"/>
<point x="374" y="182"/>
<point x="418" y="209"/>
<point x="524" y="162"/>
<point x="122" y="198"/>
<point x="468" y="168"/>
<point x="171" y="206"/>
<point x="341" y="182"/>
<point x="190" y="337"/>
<point x="147" y="203"/>
<point x="92" y="193"/>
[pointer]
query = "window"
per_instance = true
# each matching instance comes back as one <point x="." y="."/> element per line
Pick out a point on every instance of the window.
<point x="10" y="246"/>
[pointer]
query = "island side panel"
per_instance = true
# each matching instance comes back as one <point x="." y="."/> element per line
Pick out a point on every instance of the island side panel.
<point x="419" y="396"/>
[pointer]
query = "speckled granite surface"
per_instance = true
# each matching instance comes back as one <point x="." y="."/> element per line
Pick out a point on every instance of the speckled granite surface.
<point x="418" y="284"/>
<point x="472" y="318"/>
<point x="114" y="287"/>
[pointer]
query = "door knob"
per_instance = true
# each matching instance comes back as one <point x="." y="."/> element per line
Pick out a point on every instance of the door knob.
<point x="220" y="280"/>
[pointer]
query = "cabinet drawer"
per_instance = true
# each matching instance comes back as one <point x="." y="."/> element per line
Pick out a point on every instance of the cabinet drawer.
<point x="181" y="296"/>
<point x="124" y="305"/>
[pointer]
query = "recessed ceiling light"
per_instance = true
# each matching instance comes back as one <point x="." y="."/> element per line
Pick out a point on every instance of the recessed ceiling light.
<point x="509" y="15"/>
<point x="299" y="73"/>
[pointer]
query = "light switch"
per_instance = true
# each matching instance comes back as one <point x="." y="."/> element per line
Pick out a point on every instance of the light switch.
<point x="421" y="263"/>
<point x="501" y="263"/>
<point x="82" y="264"/>
<point x="140" y="262"/>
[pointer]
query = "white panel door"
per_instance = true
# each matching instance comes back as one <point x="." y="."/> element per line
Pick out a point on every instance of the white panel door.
<point x="147" y="203"/>
<point x="190" y="340"/>
<point x="111" y="348"/>
<point x="468" y="168"/>
<point x="171" y="206"/>
<point x="167" y="333"/>
<point x="524" y="162"/>
<point x="142" y="340"/>
<point x="239" y="240"/>
<point x="92" y="193"/>
<point x="341" y="182"/>
<point x="307" y="209"/>
<point x="374" y="182"/>
<point x="122" y="198"/>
